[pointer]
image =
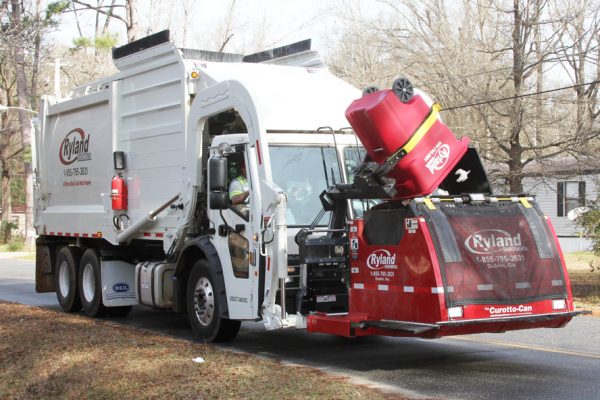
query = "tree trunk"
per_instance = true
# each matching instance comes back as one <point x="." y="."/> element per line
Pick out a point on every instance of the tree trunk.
<point x="515" y="163"/>
<point x="24" y="118"/>
<point x="4" y="170"/>
<point x="132" y="23"/>
<point x="36" y="67"/>
<point x="108" y="18"/>
<point x="539" y="86"/>
<point x="515" y="168"/>
<point x="6" y="194"/>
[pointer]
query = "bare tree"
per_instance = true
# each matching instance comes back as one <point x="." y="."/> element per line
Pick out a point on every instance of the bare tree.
<point x="579" y="22"/>
<point x="359" y="55"/>
<point x="20" y="51"/>
<point x="129" y="19"/>
<point x="484" y="61"/>
<point x="22" y="89"/>
<point x="9" y="144"/>
<point x="227" y="29"/>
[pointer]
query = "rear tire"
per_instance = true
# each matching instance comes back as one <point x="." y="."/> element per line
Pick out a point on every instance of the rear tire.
<point x="90" y="284"/>
<point x="204" y="308"/>
<point x="66" y="276"/>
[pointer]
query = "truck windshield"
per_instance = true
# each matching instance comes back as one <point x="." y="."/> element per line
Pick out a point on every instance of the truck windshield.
<point x="303" y="173"/>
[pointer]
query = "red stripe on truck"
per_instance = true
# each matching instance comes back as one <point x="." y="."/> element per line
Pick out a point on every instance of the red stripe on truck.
<point x="258" y="152"/>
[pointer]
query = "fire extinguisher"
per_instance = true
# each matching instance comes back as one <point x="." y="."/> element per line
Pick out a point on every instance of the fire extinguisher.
<point x="118" y="193"/>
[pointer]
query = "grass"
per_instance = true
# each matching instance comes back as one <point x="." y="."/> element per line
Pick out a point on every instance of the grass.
<point x="48" y="354"/>
<point x="586" y="290"/>
<point x="581" y="261"/>
<point x="16" y="243"/>
<point x="27" y="257"/>
<point x="10" y="247"/>
<point x="585" y="280"/>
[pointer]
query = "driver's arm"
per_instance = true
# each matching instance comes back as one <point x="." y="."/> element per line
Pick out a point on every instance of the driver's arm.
<point x="239" y="198"/>
<point x="237" y="194"/>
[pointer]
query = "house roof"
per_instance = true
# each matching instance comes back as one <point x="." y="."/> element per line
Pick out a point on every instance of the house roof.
<point x="555" y="166"/>
<point x="17" y="209"/>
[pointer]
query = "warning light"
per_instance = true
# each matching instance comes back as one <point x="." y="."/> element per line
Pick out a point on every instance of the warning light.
<point x="194" y="74"/>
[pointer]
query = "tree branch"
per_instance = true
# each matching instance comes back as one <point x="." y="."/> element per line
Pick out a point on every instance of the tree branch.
<point x="100" y="10"/>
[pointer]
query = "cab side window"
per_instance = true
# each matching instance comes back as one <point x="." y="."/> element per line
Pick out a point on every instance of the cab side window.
<point x="239" y="185"/>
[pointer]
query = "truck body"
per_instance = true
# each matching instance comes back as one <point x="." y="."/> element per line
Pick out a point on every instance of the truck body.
<point x="132" y="207"/>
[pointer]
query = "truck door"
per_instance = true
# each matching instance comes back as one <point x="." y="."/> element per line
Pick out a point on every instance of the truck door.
<point x="233" y="237"/>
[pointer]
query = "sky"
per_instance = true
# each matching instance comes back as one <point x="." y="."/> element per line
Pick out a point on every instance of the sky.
<point x="256" y="24"/>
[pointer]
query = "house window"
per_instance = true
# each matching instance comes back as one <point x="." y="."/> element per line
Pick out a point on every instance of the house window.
<point x="570" y="195"/>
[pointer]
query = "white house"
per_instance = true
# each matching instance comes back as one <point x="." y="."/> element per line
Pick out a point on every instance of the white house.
<point x="17" y="217"/>
<point x="562" y="184"/>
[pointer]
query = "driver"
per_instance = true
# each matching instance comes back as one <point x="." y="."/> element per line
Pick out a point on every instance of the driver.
<point x="239" y="189"/>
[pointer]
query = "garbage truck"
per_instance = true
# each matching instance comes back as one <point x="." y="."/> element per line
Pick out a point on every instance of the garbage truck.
<point x="334" y="231"/>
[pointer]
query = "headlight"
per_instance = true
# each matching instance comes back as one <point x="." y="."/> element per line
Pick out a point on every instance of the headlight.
<point x="455" y="312"/>
<point x="559" y="304"/>
<point x="338" y="250"/>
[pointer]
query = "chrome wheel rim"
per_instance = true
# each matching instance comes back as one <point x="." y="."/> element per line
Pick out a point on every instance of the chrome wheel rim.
<point x="64" y="279"/>
<point x="204" y="301"/>
<point x="88" y="284"/>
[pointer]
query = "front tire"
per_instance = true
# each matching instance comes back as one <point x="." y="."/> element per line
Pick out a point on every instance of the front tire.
<point x="67" y="263"/>
<point x="90" y="284"/>
<point x="204" y="308"/>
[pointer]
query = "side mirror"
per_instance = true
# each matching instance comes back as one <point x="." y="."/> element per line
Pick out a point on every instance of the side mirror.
<point x="218" y="200"/>
<point x="217" y="174"/>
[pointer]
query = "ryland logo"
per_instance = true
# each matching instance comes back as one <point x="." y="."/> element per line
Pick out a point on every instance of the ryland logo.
<point x="490" y="241"/>
<point x="380" y="259"/>
<point x="75" y="147"/>
<point x="439" y="159"/>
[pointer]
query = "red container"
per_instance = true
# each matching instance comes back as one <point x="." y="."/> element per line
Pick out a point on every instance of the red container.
<point x="385" y="125"/>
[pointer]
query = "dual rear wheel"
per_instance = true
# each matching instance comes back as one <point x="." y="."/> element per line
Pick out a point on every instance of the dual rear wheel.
<point x="79" y="286"/>
<point x="79" y="283"/>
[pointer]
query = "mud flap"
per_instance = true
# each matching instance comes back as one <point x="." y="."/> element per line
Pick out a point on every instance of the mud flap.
<point x="44" y="269"/>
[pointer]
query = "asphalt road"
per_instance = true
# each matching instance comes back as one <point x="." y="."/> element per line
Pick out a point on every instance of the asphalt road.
<point x="532" y="364"/>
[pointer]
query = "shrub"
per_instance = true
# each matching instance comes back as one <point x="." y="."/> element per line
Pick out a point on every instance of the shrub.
<point x="6" y="229"/>
<point x="17" y="243"/>
<point x="589" y="222"/>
